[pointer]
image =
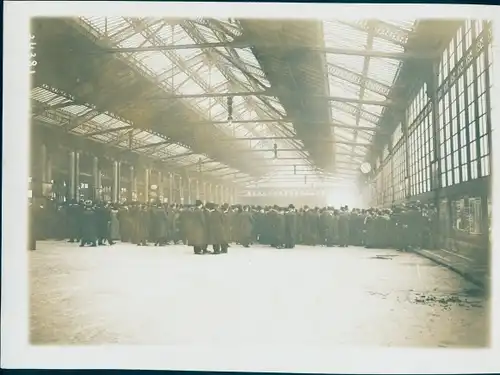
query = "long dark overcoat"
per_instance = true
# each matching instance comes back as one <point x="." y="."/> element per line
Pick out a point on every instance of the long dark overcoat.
<point x="197" y="233"/>
<point x="216" y="227"/>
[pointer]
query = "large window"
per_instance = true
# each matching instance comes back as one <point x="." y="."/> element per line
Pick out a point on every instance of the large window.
<point x="463" y="119"/>
<point x="462" y="111"/>
<point x="399" y="172"/>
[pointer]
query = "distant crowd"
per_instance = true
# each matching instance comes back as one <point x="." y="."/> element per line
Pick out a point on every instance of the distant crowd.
<point x="213" y="228"/>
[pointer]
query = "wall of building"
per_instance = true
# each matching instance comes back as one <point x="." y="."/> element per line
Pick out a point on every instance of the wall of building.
<point x="441" y="151"/>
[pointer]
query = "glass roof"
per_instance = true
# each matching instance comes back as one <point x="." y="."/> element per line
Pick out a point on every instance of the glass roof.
<point x="362" y="77"/>
<point x="194" y="72"/>
<point x="106" y="128"/>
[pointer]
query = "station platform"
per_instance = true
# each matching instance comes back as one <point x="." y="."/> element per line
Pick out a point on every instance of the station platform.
<point x="305" y="296"/>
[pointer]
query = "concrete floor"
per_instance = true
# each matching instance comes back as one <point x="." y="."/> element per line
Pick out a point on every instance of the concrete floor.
<point x="306" y="296"/>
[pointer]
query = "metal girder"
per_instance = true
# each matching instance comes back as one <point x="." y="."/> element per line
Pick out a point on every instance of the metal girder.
<point x="284" y="188"/>
<point x="244" y="44"/>
<point x="275" y="93"/>
<point x="43" y="107"/>
<point x="216" y="169"/>
<point x="381" y="54"/>
<point x="234" y="61"/>
<point x="354" y="111"/>
<point x="174" y="58"/>
<point x="257" y="122"/>
<point x="357" y="78"/>
<point x="307" y="139"/>
<point x="382" y="30"/>
<point x="178" y="156"/>
<point x="107" y="131"/>
<point x="364" y="74"/>
<point x="173" y="47"/>
<point x="151" y="145"/>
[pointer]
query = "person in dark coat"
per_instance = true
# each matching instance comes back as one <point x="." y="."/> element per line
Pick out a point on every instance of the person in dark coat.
<point x="124" y="217"/>
<point x="160" y="222"/>
<point x="290" y="227"/>
<point x="344" y="227"/>
<point x="245" y="225"/>
<point x="73" y="217"/>
<point x="329" y="227"/>
<point x="215" y="227"/>
<point x="197" y="234"/>
<point x="89" y="230"/>
<point x="114" y="225"/>
<point x="102" y="218"/>
<point x="144" y="223"/>
<point x="227" y="229"/>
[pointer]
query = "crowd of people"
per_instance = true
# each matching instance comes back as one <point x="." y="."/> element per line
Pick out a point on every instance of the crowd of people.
<point x="218" y="226"/>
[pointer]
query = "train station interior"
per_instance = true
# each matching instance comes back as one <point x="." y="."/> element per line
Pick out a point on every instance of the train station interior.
<point x="378" y="130"/>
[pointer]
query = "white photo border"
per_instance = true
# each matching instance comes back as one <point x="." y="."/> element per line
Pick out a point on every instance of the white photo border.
<point x="16" y="350"/>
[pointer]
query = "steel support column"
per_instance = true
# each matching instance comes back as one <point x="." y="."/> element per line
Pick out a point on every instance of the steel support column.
<point x="170" y="188"/>
<point x="77" y="175"/>
<point x="96" y="178"/>
<point x="43" y="163"/>
<point x="181" y="190"/>
<point x="49" y="168"/>
<point x="133" y="184"/>
<point x="115" y="193"/>
<point x="189" y="191"/>
<point x="160" y="186"/>
<point x="71" y="177"/>
<point x="146" y="184"/>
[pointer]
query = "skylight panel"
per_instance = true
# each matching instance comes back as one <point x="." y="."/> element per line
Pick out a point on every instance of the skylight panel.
<point x="190" y="88"/>
<point x="216" y="78"/>
<point x="158" y="63"/>
<point x="343" y="133"/>
<point x="366" y="124"/>
<point x="155" y="139"/>
<point x="337" y="35"/>
<point x="42" y="95"/>
<point x="105" y="138"/>
<point x="408" y="25"/>
<point x="344" y="117"/>
<point x="207" y="33"/>
<point x="247" y="56"/>
<point x="187" y="53"/>
<point x="339" y="87"/>
<point x="105" y="24"/>
<point x="373" y="109"/>
<point x="134" y="41"/>
<point x="353" y="63"/>
<point x="76" y="110"/>
<point x="383" y="45"/>
<point x="371" y="95"/>
<point x="102" y="119"/>
<point x="383" y="70"/>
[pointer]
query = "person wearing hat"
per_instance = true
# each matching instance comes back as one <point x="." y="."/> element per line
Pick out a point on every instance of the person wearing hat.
<point x="290" y="227"/>
<point x="160" y="222"/>
<point x="215" y="227"/>
<point x="114" y="225"/>
<point x="227" y="229"/>
<point x="89" y="230"/>
<point x="197" y="234"/>
<point x="344" y="227"/>
<point x="244" y="226"/>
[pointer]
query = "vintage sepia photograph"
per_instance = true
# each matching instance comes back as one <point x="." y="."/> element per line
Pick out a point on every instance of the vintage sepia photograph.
<point x="259" y="181"/>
